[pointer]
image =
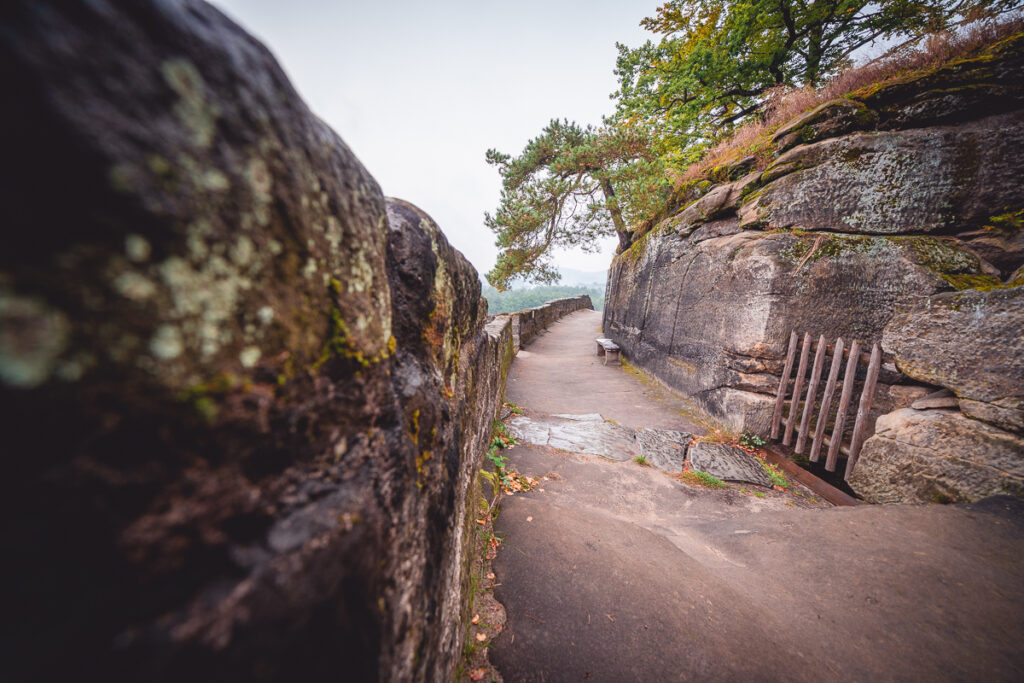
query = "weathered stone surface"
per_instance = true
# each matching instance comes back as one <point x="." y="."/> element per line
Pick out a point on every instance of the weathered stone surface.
<point x="706" y="300"/>
<point x="728" y="463"/>
<point x="244" y="399"/>
<point x="827" y="120"/>
<point x="663" y="448"/>
<point x="579" y="434"/>
<point x="871" y="183"/>
<point x="937" y="456"/>
<point x="970" y="342"/>
<point x="711" y="317"/>
<point x="1001" y="246"/>
<point x="988" y="83"/>
<point x="720" y="200"/>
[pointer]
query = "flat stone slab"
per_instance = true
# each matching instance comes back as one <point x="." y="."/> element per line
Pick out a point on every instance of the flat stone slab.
<point x="728" y="463"/>
<point x="579" y="434"/>
<point x="663" y="448"/>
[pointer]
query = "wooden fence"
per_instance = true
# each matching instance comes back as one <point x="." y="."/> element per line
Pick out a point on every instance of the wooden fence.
<point x="834" y="442"/>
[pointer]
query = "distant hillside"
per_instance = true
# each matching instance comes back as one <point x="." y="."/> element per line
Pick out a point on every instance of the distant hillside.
<point x="570" y="278"/>
<point x="518" y="299"/>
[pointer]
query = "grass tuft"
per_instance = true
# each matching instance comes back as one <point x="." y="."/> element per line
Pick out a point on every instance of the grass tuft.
<point x="702" y="479"/>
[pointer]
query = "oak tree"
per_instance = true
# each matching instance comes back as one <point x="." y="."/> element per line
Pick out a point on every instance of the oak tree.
<point x="715" y="60"/>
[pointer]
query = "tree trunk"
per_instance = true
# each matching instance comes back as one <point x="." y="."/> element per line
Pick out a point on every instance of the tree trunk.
<point x="612" y="205"/>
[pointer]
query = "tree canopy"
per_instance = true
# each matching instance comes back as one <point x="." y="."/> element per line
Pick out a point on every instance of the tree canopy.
<point x="566" y="189"/>
<point x="716" y="61"/>
<point x="714" y="67"/>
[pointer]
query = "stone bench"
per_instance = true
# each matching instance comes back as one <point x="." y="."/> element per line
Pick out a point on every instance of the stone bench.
<point x="608" y="349"/>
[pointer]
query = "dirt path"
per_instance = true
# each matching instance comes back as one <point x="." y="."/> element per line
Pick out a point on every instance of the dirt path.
<point x="611" y="571"/>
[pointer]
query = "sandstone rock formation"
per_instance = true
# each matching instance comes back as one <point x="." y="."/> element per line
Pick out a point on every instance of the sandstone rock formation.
<point x="900" y="197"/>
<point x="244" y="396"/>
<point x="938" y="456"/>
<point x="971" y="342"/>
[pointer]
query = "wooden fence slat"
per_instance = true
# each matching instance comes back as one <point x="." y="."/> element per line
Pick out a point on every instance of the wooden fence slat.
<point x="812" y="389"/>
<point x="783" y="385"/>
<point x="826" y="399"/>
<point x="844" y="405"/>
<point x="798" y="386"/>
<point x="860" y="427"/>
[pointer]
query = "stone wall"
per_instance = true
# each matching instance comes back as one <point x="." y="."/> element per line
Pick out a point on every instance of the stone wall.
<point x="530" y="322"/>
<point x="879" y="212"/>
<point x="244" y="396"/>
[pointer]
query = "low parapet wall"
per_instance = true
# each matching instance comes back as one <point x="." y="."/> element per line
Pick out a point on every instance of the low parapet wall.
<point x="526" y="324"/>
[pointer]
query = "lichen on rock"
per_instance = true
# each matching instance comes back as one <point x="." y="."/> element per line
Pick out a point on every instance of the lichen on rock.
<point x="210" y="346"/>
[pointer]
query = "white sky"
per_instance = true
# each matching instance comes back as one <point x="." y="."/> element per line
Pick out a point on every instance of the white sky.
<point x="420" y="90"/>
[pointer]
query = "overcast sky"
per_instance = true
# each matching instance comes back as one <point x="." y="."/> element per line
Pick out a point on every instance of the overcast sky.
<point x="421" y="90"/>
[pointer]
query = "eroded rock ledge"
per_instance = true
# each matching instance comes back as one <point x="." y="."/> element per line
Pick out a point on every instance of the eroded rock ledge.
<point x="244" y="395"/>
<point x="892" y="215"/>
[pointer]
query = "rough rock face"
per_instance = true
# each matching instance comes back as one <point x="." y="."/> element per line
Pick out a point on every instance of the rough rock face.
<point x="904" y="197"/>
<point x="244" y="398"/>
<point x="938" y="456"/>
<point x="971" y="342"/>
<point x="859" y="183"/>
<point x="710" y="316"/>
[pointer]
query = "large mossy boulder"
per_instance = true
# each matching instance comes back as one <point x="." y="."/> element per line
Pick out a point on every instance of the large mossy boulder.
<point x="930" y="180"/>
<point x="243" y="397"/>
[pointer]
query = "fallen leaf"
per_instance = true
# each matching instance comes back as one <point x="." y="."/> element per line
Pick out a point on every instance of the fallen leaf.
<point x="481" y="637"/>
<point x="477" y="674"/>
<point x="481" y="521"/>
<point x="475" y="619"/>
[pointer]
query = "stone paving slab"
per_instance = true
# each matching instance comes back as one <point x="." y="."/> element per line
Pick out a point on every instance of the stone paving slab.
<point x="728" y="463"/>
<point x="663" y="448"/>
<point x="579" y="434"/>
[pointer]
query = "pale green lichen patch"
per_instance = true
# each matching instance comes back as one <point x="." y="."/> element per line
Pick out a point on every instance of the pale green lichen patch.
<point x="960" y="268"/>
<point x="196" y="114"/>
<point x="137" y="248"/>
<point x="215" y="181"/>
<point x="830" y="246"/>
<point x="167" y="343"/>
<point x="32" y="337"/>
<point x="265" y="315"/>
<point x="134" y="286"/>
<point x="261" y="183"/>
<point x="361" y="274"/>
<point x="241" y="251"/>
<point x="207" y="295"/>
<point x="249" y="356"/>
<point x="309" y="270"/>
